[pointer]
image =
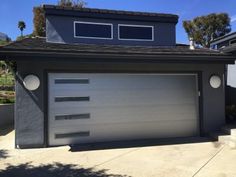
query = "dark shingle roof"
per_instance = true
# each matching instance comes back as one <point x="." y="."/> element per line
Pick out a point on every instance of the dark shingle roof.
<point x="230" y="49"/>
<point x="108" y="11"/>
<point x="110" y="14"/>
<point x="40" y="45"/>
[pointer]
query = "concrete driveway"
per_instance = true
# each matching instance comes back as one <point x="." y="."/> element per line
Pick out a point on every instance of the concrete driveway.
<point x="202" y="159"/>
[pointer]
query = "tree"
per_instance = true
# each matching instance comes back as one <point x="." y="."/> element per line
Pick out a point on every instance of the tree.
<point x="2" y="43"/>
<point x="21" y="26"/>
<point x="39" y="22"/>
<point x="24" y="36"/>
<point x="39" y="17"/>
<point x="7" y="66"/>
<point x="72" y="3"/>
<point x="204" y="29"/>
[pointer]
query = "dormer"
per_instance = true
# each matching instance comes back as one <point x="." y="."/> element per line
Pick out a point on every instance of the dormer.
<point x="100" y="26"/>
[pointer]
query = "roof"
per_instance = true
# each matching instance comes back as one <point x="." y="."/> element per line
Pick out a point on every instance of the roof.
<point x="3" y="36"/>
<point x="224" y="38"/>
<point x="39" y="46"/>
<point x="107" y="13"/>
<point x="230" y="49"/>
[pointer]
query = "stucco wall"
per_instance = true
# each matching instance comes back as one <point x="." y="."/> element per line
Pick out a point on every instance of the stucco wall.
<point x="61" y="29"/>
<point x="31" y="106"/>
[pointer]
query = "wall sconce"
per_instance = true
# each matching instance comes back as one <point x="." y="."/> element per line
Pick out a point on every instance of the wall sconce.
<point x="31" y="82"/>
<point x="215" y="81"/>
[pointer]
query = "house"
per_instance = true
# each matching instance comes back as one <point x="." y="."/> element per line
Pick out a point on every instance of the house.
<point x="108" y="75"/>
<point x="224" y="41"/>
<point x="3" y="37"/>
<point x="227" y="44"/>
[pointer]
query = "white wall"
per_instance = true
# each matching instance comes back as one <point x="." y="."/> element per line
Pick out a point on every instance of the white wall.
<point x="231" y="79"/>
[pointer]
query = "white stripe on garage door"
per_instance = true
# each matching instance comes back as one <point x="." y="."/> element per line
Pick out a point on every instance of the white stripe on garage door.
<point x="85" y="108"/>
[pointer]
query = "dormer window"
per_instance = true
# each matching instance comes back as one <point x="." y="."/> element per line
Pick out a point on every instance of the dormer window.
<point x="91" y="30"/>
<point x="135" y="32"/>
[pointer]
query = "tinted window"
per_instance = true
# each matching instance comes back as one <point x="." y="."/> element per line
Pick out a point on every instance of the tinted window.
<point x="93" y="30"/>
<point x="135" y="32"/>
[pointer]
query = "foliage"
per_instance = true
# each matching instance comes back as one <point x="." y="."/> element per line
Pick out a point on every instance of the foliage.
<point x="7" y="79"/>
<point x="7" y="66"/>
<point x="72" y="3"/>
<point x="39" y="22"/>
<point x="21" y="26"/>
<point x="230" y="113"/>
<point x="203" y="29"/>
<point x="2" y="42"/>
<point x="7" y="101"/>
<point x="39" y="17"/>
<point x="7" y="97"/>
<point x="24" y="36"/>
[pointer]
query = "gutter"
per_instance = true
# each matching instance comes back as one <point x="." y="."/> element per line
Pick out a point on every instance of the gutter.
<point x="118" y="57"/>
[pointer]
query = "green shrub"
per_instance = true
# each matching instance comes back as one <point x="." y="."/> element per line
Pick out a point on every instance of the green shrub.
<point x="7" y="80"/>
<point x="7" y="97"/>
<point x="7" y="100"/>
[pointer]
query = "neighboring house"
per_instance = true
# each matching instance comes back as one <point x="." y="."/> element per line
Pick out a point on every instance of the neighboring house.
<point x="231" y="77"/>
<point x="108" y="75"/>
<point x="224" y="41"/>
<point x="3" y="37"/>
<point x="227" y="43"/>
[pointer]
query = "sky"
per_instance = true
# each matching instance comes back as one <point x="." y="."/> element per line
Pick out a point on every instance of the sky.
<point x="12" y="11"/>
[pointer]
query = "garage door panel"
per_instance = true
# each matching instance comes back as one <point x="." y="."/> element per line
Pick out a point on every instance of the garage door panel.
<point x="126" y="98"/>
<point x="117" y="132"/>
<point x="111" y="107"/>
<point x="127" y="114"/>
<point x="61" y="124"/>
<point x="127" y="94"/>
<point x="132" y="109"/>
<point x="122" y="81"/>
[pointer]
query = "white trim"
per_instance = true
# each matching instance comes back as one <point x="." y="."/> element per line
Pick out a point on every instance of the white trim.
<point x="230" y="42"/>
<point x="147" y="26"/>
<point x="84" y="37"/>
<point x="223" y="39"/>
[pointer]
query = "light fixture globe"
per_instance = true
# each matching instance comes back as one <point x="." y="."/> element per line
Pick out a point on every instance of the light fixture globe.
<point x="31" y="82"/>
<point x="215" y="81"/>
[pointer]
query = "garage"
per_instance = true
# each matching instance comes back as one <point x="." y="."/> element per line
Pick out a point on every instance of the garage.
<point x="104" y="107"/>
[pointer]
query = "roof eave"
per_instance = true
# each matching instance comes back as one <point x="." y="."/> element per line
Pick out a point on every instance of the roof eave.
<point x="118" y="57"/>
<point x="87" y="14"/>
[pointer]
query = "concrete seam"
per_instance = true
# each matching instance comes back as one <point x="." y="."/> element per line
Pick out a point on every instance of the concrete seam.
<point x="208" y="161"/>
<point x="114" y="158"/>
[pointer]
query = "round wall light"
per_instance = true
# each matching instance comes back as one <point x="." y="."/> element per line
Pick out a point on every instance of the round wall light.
<point x="31" y="82"/>
<point x="215" y="81"/>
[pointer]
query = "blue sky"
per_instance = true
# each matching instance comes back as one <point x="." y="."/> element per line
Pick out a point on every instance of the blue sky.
<point x="12" y="11"/>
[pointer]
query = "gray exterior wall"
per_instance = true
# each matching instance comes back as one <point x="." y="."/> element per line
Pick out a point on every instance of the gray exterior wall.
<point x="31" y="107"/>
<point x="7" y="115"/>
<point x="60" y="29"/>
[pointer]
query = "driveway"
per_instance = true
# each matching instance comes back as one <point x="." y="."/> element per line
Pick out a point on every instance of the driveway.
<point x="201" y="159"/>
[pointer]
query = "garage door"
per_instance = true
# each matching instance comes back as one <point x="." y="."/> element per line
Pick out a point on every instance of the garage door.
<point x="85" y="108"/>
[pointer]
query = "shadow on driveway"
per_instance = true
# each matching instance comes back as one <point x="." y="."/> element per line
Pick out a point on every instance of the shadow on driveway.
<point x="138" y="143"/>
<point x="53" y="170"/>
<point x="3" y="154"/>
<point x="5" y="130"/>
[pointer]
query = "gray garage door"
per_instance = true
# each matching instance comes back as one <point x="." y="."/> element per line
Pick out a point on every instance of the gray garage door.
<point x="86" y="108"/>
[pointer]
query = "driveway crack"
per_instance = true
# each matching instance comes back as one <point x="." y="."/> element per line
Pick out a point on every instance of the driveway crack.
<point x="208" y="161"/>
<point x="114" y="158"/>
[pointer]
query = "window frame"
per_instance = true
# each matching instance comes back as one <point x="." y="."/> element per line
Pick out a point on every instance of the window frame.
<point x="131" y="25"/>
<point x="95" y="23"/>
<point x="230" y="42"/>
